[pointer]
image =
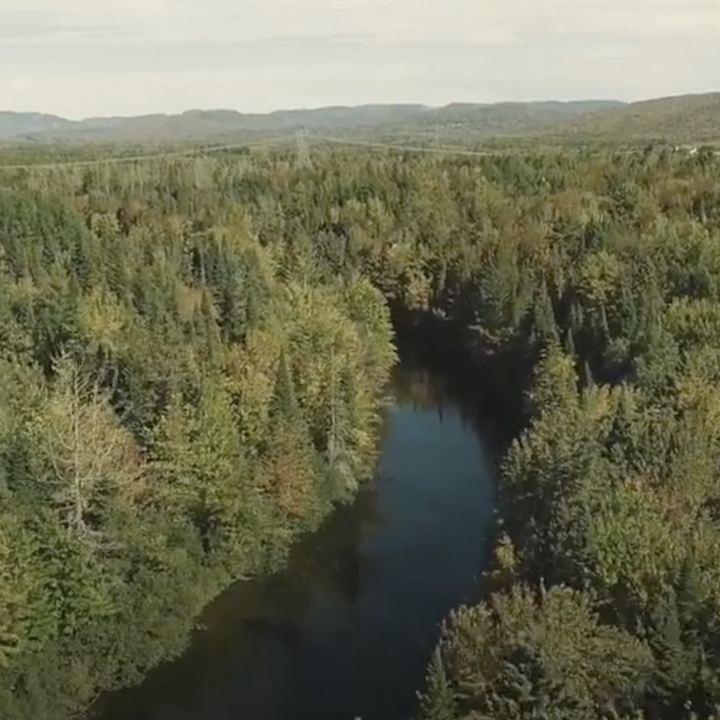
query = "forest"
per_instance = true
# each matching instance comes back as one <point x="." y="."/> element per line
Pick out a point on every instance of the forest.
<point x="194" y="353"/>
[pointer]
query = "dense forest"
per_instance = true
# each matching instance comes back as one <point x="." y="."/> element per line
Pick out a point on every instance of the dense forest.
<point x="193" y="357"/>
<point x="178" y="402"/>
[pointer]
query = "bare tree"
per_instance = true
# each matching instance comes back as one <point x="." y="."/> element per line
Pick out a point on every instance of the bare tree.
<point x="86" y="447"/>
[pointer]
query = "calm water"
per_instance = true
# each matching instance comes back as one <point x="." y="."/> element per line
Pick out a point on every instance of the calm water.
<point x="348" y="627"/>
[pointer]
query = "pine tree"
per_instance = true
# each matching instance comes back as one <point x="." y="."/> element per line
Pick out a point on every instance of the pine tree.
<point x="438" y="702"/>
<point x="675" y="669"/>
<point x="289" y="463"/>
<point x="545" y="317"/>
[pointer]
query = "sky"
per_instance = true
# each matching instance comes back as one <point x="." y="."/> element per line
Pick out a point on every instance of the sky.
<point x="80" y="58"/>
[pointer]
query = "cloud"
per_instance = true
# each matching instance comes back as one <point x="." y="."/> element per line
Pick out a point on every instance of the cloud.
<point x="36" y="33"/>
<point x="100" y="56"/>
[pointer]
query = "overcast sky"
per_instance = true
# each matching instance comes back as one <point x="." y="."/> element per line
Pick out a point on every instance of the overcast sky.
<point x="99" y="57"/>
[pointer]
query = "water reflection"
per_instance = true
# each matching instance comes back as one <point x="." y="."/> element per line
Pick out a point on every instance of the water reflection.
<point x="347" y="628"/>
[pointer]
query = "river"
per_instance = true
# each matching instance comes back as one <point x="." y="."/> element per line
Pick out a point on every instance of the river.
<point x="347" y="629"/>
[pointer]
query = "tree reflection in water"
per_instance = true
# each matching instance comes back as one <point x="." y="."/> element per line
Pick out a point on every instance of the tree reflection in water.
<point x="347" y="627"/>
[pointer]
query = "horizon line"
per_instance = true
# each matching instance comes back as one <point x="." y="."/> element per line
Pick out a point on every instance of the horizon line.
<point x="317" y="108"/>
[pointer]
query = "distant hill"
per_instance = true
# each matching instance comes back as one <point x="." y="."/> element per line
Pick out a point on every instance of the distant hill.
<point x="14" y="124"/>
<point x="689" y="117"/>
<point x="506" y="116"/>
<point x="202" y="125"/>
<point x="684" y="118"/>
<point x="219" y="125"/>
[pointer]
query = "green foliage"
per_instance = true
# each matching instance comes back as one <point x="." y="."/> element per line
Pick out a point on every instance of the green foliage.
<point x="192" y="358"/>
<point x="525" y="654"/>
<point x="166" y="404"/>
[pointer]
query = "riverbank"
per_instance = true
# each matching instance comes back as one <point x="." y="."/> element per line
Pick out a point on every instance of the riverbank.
<point x="347" y="628"/>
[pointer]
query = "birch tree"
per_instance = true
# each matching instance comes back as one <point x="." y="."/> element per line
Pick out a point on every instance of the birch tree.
<point x="90" y="458"/>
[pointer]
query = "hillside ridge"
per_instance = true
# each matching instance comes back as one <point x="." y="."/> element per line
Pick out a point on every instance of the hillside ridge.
<point x="683" y="117"/>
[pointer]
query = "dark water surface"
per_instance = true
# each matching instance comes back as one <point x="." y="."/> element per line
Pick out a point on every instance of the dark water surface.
<point x="348" y="627"/>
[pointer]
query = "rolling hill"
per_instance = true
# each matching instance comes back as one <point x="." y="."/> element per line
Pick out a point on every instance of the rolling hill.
<point x="687" y="118"/>
<point x="16" y="125"/>
<point x="219" y="125"/>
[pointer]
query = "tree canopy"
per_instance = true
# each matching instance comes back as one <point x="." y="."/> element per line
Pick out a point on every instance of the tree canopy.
<point x="192" y="362"/>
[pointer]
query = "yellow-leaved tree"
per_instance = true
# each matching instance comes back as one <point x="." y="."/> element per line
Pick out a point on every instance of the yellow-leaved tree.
<point x="90" y="461"/>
